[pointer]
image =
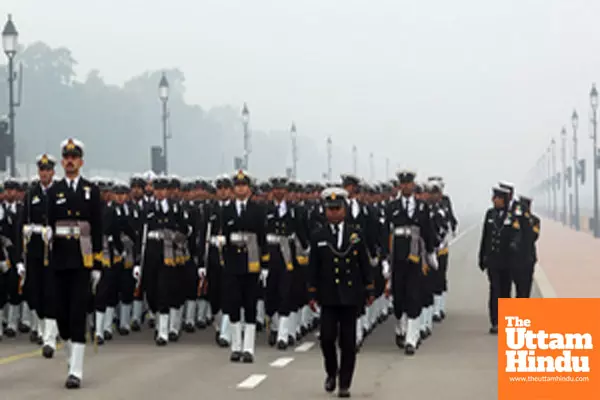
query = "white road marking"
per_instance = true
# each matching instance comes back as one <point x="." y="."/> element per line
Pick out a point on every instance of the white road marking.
<point x="546" y="289"/>
<point x="462" y="234"/>
<point x="252" y="381"/>
<point x="281" y="362"/>
<point x="304" y="347"/>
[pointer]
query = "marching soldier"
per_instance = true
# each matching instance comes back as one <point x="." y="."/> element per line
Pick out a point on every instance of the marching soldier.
<point x="5" y="243"/>
<point x="339" y="276"/>
<point x="75" y="233"/>
<point x="498" y="249"/>
<point x="35" y="256"/>
<point x="246" y="257"/>
<point x="14" y="276"/>
<point x="524" y="275"/>
<point x="137" y="210"/>
<point x="410" y="236"/>
<point x="212" y="261"/>
<point x="164" y="230"/>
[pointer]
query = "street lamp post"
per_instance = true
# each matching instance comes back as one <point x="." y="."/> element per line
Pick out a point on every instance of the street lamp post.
<point x="576" y="169"/>
<point x="563" y="136"/>
<point x="554" y="180"/>
<point x="10" y="38"/>
<point x="246" y="121"/>
<point x="594" y="104"/>
<point x="329" y="158"/>
<point x="294" y="136"/>
<point x="163" y="95"/>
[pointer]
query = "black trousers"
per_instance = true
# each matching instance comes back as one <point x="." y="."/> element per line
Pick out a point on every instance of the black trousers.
<point x="338" y="323"/>
<point x="241" y="291"/>
<point x="72" y="289"/>
<point x="215" y="280"/>
<point x="522" y="276"/>
<point x="441" y="279"/>
<point x="39" y="288"/>
<point x="126" y="283"/>
<point x="279" y="296"/>
<point x="3" y="292"/>
<point x="190" y="281"/>
<point x="500" y="284"/>
<point x="406" y="288"/>
<point x="13" y="280"/>
<point x="427" y="286"/>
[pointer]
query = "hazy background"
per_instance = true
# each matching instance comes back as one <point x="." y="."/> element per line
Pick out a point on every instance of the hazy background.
<point x="469" y="89"/>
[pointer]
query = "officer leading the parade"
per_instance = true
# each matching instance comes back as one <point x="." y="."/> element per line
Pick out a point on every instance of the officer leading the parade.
<point x="74" y="235"/>
<point x="339" y="275"/>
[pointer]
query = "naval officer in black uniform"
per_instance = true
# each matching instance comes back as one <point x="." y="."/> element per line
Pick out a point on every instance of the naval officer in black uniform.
<point x="75" y="232"/>
<point x="339" y="274"/>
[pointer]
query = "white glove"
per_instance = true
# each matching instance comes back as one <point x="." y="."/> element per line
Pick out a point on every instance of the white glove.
<point x="432" y="261"/>
<point x="47" y="234"/>
<point x="374" y="261"/>
<point x="386" y="269"/>
<point x="96" y="276"/>
<point x="264" y="274"/>
<point x="202" y="273"/>
<point x="3" y="267"/>
<point x="27" y="232"/>
<point x="21" y="270"/>
<point x="137" y="273"/>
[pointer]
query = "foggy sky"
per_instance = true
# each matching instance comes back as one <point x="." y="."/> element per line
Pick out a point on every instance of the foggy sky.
<point x="469" y="89"/>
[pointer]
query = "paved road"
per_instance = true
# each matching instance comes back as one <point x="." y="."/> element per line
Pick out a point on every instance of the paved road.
<point x="459" y="361"/>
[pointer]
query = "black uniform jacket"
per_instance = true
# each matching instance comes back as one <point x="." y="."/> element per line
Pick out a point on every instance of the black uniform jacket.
<point x="83" y="204"/>
<point x="339" y="277"/>
<point x="251" y="221"/>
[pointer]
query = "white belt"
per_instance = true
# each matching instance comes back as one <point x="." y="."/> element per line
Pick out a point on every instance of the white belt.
<point x="218" y="240"/>
<point x="68" y="231"/>
<point x="36" y="228"/>
<point x="402" y="231"/>
<point x="155" y="235"/>
<point x="273" y="239"/>
<point x="237" y="238"/>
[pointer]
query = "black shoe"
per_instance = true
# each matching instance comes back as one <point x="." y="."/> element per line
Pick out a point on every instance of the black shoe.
<point x="99" y="340"/>
<point x="47" y="351"/>
<point x="298" y="337"/>
<point x="272" y="338"/>
<point x="437" y="318"/>
<point x="151" y="323"/>
<point x="189" y="327"/>
<point x="400" y="340"/>
<point x="24" y="328"/>
<point x="443" y="315"/>
<point x="291" y="340"/>
<point x="303" y="330"/>
<point x="173" y="337"/>
<point x="34" y="337"/>
<point x="247" y="358"/>
<point x="161" y="342"/>
<point x="10" y="333"/>
<point x="236" y="356"/>
<point x="73" y="382"/>
<point x="222" y="342"/>
<point x="201" y="325"/>
<point x="423" y="335"/>
<point x="108" y="336"/>
<point x="40" y="341"/>
<point x="135" y="326"/>
<point x="123" y="331"/>
<point x="344" y="393"/>
<point x="409" y="350"/>
<point x="428" y="333"/>
<point x="494" y="330"/>
<point x="281" y="345"/>
<point x="330" y="384"/>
